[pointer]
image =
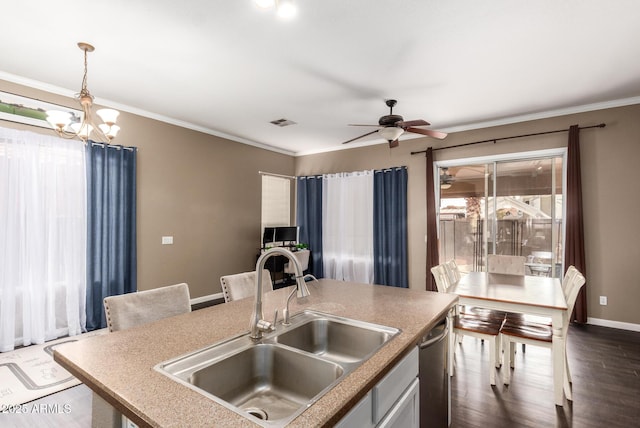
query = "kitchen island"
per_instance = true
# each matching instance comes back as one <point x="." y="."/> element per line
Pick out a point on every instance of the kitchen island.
<point x="120" y="366"/>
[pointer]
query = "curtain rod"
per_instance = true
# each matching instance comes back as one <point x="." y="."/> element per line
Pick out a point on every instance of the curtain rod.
<point x="105" y="145"/>
<point x="494" y="140"/>
<point x="277" y="175"/>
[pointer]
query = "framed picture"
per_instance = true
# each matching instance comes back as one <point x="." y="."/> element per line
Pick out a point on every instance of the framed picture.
<point x="16" y="108"/>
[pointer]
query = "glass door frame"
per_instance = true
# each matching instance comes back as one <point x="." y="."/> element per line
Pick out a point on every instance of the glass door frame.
<point x="493" y="160"/>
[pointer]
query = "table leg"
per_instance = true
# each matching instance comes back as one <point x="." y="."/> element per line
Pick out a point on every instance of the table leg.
<point x="558" y="356"/>
<point x="508" y="362"/>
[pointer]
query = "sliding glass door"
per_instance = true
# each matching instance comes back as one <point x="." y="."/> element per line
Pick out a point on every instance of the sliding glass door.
<point x="503" y="206"/>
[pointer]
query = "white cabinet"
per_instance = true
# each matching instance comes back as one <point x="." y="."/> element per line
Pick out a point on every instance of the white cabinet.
<point x="359" y="416"/>
<point x="393" y="402"/>
<point x="406" y="412"/>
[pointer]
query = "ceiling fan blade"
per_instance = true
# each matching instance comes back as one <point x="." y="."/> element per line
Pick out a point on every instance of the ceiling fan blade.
<point x="364" y="135"/>
<point x="394" y="143"/>
<point x="408" y="123"/>
<point x="351" y="124"/>
<point x="435" y="134"/>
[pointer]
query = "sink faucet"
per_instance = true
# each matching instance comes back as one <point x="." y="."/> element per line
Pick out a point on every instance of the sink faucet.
<point x="258" y="324"/>
<point x="302" y="290"/>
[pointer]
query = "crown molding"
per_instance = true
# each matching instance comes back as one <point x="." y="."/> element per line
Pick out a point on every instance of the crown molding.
<point x="451" y="129"/>
<point x="35" y="84"/>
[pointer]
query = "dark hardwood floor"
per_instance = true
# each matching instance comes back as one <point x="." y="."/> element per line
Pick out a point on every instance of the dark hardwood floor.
<point x="605" y="366"/>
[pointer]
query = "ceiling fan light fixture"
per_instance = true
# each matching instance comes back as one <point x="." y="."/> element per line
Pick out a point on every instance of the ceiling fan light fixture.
<point x="391" y="133"/>
<point x="445" y="186"/>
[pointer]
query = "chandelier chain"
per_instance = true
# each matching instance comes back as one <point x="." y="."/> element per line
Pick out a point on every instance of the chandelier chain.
<point x="84" y="92"/>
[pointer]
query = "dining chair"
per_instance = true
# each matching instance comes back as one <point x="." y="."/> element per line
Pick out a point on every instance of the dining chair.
<point x="537" y="334"/>
<point x="484" y="328"/>
<point x="510" y="265"/>
<point x="453" y="272"/>
<point x="515" y="317"/>
<point x="241" y="285"/>
<point x="439" y="273"/>
<point x="542" y="262"/>
<point x="131" y="310"/>
<point x="454" y="275"/>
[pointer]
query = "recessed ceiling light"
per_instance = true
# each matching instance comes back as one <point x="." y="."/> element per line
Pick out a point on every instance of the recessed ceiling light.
<point x="286" y="9"/>
<point x="264" y="3"/>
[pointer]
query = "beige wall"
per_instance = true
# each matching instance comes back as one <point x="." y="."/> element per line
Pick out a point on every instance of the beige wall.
<point x="203" y="190"/>
<point x="611" y="201"/>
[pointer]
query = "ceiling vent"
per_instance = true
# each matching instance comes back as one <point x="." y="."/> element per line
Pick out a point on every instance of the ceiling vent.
<point x="283" y="122"/>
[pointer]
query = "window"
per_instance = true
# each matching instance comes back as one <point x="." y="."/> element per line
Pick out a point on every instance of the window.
<point x="505" y="205"/>
<point x="276" y="201"/>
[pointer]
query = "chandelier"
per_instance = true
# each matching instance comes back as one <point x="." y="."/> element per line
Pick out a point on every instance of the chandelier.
<point x="64" y="124"/>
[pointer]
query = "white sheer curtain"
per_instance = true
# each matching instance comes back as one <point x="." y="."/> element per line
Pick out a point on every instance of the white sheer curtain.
<point x="42" y="238"/>
<point x="347" y="226"/>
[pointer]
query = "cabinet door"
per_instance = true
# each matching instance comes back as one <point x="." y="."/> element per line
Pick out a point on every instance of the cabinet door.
<point x="406" y="412"/>
<point x="359" y="416"/>
<point x="393" y="385"/>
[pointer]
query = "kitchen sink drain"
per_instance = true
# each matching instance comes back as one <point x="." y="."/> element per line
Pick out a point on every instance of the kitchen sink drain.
<point x="258" y="413"/>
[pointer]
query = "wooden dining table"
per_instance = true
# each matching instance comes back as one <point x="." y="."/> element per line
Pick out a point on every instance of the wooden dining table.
<point x="534" y="295"/>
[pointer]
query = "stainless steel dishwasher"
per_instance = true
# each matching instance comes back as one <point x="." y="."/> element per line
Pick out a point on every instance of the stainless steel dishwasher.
<point x="435" y="385"/>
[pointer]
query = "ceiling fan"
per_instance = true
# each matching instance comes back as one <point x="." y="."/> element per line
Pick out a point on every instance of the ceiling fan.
<point x="446" y="179"/>
<point x="393" y="126"/>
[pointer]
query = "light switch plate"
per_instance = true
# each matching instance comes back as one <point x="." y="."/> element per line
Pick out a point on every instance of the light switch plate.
<point x="167" y="240"/>
<point x="603" y="300"/>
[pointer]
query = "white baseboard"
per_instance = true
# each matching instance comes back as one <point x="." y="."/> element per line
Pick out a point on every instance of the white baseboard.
<point x="207" y="298"/>
<point x="614" y="324"/>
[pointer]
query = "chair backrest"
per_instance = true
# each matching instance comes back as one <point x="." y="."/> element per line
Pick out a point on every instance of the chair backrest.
<point x="571" y="295"/>
<point x="542" y="256"/>
<point x="511" y="265"/>
<point x="451" y="267"/>
<point x="130" y="310"/>
<point x="442" y="279"/>
<point x="242" y="285"/>
<point x="567" y="280"/>
<point x="575" y="283"/>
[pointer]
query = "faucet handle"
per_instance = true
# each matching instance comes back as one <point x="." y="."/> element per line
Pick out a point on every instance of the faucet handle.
<point x="266" y="326"/>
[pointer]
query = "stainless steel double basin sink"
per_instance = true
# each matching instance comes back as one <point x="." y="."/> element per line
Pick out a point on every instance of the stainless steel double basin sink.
<point x="273" y="380"/>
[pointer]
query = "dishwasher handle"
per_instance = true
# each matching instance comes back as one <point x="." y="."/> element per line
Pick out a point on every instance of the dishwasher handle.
<point x="429" y="339"/>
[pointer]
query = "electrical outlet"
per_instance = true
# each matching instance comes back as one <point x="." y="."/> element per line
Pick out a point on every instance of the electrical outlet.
<point x="603" y="300"/>
<point x="167" y="240"/>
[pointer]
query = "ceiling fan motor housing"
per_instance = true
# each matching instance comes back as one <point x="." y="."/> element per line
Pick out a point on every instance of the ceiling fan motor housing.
<point x="390" y="120"/>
